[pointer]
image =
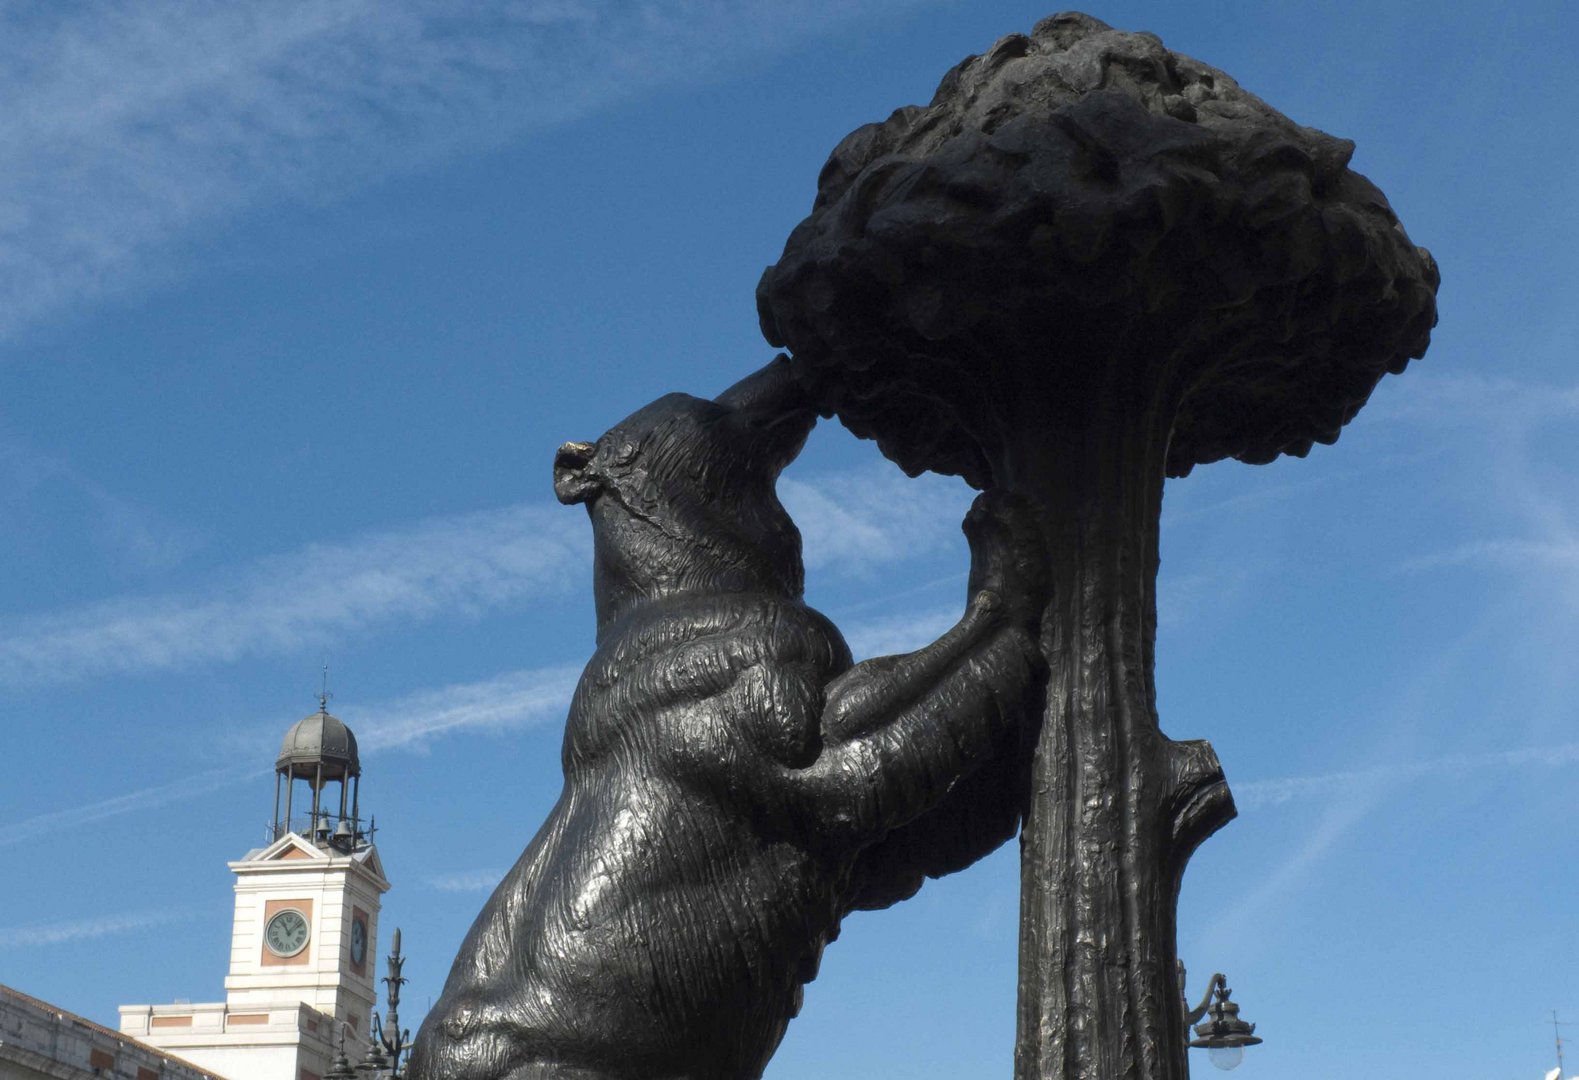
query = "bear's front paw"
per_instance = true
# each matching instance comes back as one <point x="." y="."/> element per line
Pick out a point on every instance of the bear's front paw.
<point x="1007" y="555"/>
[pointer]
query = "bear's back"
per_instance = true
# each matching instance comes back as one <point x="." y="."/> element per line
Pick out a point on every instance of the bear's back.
<point x="702" y="690"/>
<point x="681" y="720"/>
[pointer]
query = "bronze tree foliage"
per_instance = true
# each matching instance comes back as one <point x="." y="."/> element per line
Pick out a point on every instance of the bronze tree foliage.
<point x="1082" y="199"/>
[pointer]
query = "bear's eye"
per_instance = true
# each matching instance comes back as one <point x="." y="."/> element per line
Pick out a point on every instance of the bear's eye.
<point x="625" y="454"/>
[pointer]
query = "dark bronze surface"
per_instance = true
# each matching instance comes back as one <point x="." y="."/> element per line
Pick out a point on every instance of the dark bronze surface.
<point x="1089" y="264"/>
<point x="733" y="785"/>
<point x="387" y="1040"/>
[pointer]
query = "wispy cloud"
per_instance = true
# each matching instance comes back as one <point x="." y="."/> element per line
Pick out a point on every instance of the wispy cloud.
<point x="511" y="701"/>
<point x="470" y="563"/>
<point x="131" y="127"/>
<point x="1190" y="599"/>
<point x="1275" y="792"/>
<point x="131" y="802"/>
<point x="1512" y="445"/>
<point x="1181" y="505"/>
<point x="1337" y="819"/>
<point x="465" y="881"/>
<point x="1345" y="799"/>
<point x="872" y="517"/>
<point x="465" y="564"/>
<point x="59" y="933"/>
<point x="508" y="702"/>
<point x="902" y="632"/>
<point x="1476" y="400"/>
<point x="131" y="534"/>
<point x="1512" y="554"/>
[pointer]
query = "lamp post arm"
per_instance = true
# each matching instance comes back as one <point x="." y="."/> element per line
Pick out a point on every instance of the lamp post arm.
<point x="1191" y="1016"/>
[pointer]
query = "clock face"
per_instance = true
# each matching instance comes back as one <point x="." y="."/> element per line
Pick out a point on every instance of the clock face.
<point x="287" y="933"/>
<point x="358" y="941"/>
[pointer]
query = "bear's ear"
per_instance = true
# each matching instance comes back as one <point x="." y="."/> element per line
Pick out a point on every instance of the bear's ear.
<point x="574" y="480"/>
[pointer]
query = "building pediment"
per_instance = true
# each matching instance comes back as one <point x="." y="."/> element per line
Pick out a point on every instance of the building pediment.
<point x="287" y="848"/>
<point x="299" y="853"/>
<point x="370" y="861"/>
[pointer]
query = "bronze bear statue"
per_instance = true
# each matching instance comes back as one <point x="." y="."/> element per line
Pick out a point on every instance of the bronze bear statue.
<point x="733" y="785"/>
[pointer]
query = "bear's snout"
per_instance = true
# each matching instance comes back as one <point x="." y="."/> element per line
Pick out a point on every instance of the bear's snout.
<point x="573" y="478"/>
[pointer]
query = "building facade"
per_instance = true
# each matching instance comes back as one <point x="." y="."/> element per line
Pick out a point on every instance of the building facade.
<point x="304" y="935"/>
<point x="39" y="1041"/>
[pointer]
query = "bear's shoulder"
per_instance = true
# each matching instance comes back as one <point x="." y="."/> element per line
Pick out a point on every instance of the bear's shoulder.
<point x="762" y="626"/>
<point x="674" y="657"/>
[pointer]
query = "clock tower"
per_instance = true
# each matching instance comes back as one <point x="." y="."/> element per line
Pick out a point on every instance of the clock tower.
<point x="304" y="937"/>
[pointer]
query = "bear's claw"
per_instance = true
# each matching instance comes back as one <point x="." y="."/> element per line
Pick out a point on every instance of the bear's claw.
<point x="1008" y="555"/>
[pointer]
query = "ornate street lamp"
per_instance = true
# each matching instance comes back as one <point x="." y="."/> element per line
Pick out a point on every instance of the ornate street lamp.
<point x="1224" y="1036"/>
<point x="341" y="1069"/>
<point x="376" y="1065"/>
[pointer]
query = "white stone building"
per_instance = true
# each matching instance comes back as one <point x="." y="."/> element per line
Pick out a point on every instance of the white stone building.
<point x="303" y="943"/>
<point x="39" y="1041"/>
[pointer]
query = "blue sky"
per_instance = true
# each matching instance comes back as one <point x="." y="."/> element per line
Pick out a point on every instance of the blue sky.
<point x="297" y="300"/>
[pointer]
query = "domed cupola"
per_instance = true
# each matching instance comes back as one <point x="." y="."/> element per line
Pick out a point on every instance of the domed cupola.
<point x="319" y="745"/>
<point x="320" y="750"/>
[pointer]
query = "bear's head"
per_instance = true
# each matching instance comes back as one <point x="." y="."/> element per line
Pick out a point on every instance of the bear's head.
<point x="682" y="494"/>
